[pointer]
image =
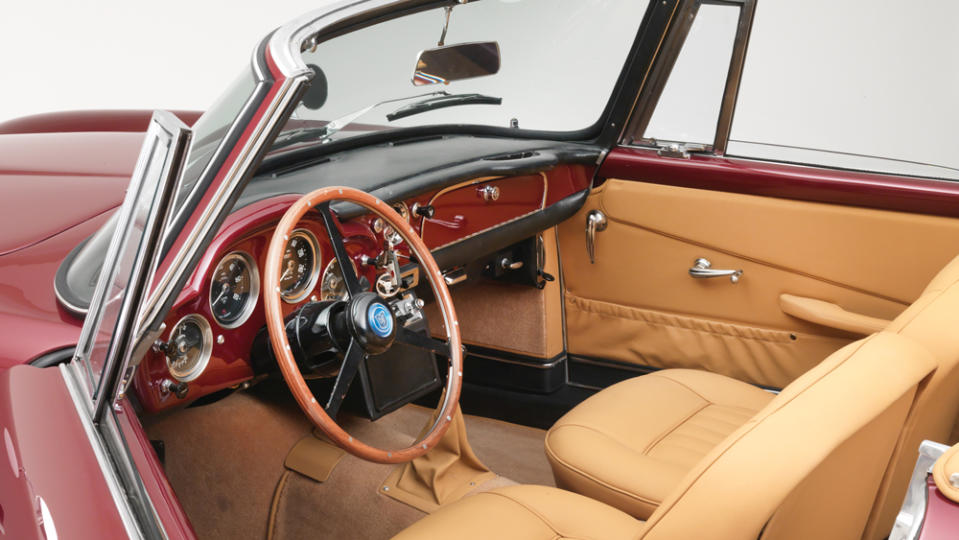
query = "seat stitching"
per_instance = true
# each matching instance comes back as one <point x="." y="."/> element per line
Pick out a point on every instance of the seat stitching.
<point x="687" y="387"/>
<point x="691" y="482"/>
<point x="622" y="491"/>
<point x="533" y="511"/>
<point x="667" y="433"/>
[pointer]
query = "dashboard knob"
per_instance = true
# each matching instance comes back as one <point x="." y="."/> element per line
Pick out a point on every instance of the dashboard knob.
<point x="489" y="193"/>
<point x="424" y="210"/>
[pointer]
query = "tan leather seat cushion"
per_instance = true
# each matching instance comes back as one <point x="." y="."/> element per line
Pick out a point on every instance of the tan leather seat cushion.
<point x="632" y="443"/>
<point x="525" y="513"/>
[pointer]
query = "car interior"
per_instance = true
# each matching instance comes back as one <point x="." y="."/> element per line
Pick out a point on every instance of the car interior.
<point x="547" y="338"/>
<point x="593" y="362"/>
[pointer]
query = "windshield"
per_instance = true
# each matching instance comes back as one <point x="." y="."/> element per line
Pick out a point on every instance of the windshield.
<point x="559" y="62"/>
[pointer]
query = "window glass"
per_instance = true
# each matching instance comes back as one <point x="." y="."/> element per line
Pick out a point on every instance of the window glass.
<point x="559" y="62"/>
<point x="860" y="84"/>
<point x="688" y="108"/>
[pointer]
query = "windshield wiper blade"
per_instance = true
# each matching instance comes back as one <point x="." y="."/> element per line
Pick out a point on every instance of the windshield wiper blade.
<point x="325" y="132"/>
<point x="439" y="102"/>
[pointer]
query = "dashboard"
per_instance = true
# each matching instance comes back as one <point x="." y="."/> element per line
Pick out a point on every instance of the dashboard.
<point x="208" y="342"/>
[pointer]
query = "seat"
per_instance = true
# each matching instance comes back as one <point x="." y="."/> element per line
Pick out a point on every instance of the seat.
<point x="630" y="444"/>
<point x="663" y="424"/>
<point x="808" y="465"/>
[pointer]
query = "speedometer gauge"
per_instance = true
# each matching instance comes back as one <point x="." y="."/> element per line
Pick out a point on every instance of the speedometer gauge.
<point x="301" y="264"/>
<point x="234" y="289"/>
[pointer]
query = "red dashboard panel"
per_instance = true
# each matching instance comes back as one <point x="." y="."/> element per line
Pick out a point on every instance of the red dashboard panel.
<point x="461" y="211"/>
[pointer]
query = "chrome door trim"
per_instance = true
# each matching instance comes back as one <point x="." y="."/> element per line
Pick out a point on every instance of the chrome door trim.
<point x="73" y="379"/>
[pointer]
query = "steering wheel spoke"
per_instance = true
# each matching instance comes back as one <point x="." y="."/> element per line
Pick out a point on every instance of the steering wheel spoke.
<point x="364" y="320"/>
<point x="352" y="360"/>
<point x="422" y="341"/>
<point x="330" y="221"/>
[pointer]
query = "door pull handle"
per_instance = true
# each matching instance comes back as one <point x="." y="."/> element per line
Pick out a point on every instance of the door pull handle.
<point x="595" y="222"/>
<point x="702" y="269"/>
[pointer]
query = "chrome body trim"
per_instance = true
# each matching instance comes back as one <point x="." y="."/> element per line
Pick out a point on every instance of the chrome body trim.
<point x="909" y="519"/>
<point x="288" y="42"/>
<point x="73" y="380"/>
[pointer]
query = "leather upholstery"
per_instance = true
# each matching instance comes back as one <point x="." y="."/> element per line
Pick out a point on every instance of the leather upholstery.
<point x="617" y="468"/>
<point x="525" y="512"/>
<point x="931" y="321"/>
<point x="763" y="480"/>
<point x="632" y="443"/>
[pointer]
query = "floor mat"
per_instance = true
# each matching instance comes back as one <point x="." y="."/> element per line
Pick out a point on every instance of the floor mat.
<point x="225" y="461"/>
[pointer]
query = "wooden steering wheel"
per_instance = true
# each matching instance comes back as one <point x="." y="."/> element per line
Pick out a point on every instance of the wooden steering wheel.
<point x="371" y="325"/>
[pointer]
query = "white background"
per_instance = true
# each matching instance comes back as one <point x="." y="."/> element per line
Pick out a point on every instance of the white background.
<point x="872" y="77"/>
<point x="128" y="54"/>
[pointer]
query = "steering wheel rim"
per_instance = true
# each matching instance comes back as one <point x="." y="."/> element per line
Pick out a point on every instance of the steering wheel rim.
<point x="319" y="200"/>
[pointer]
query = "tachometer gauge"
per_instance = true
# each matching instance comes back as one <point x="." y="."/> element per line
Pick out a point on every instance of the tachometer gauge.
<point x="301" y="264"/>
<point x="332" y="287"/>
<point x="234" y="289"/>
<point x="389" y="233"/>
<point x="188" y="349"/>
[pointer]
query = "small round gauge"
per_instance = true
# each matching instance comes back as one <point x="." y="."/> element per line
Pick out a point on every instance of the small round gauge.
<point x="234" y="289"/>
<point x="332" y="286"/>
<point x="301" y="266"/>
<point x="389" y="233"/>
<point x="188" y="349"/>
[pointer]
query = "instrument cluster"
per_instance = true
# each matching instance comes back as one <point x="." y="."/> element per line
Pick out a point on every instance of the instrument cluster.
<point x="310" y="272"/>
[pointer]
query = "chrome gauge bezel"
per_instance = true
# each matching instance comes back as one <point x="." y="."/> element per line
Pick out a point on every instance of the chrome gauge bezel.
<point x="326" y="270"/>
<point x="298" y="296"/>
<point x="254" y="289"/>
<point x="206" y="350"/>
<point x="389" y="233"/>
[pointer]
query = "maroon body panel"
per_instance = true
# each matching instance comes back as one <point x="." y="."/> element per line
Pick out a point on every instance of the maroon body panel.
<point x="942" y="515"/>
<point x="32" y="322"/>
<point x="47" y="454"/>
<point x="103" y="120"/>
<point x="904" y="194"/>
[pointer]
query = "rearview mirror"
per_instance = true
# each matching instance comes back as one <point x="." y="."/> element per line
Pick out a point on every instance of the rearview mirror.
<point x="456" y="62"/>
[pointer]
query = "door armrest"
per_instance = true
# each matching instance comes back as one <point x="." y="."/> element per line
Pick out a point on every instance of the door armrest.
<point x="828" y="314"/>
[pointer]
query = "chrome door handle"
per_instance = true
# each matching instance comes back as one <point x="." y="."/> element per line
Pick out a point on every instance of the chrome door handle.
<point x="702" y="269"/>
<point x="595" y="222"/>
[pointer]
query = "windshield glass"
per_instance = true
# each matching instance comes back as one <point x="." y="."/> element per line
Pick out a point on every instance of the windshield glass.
<point x="559" y="62"/>
<point x="211" y="128"/>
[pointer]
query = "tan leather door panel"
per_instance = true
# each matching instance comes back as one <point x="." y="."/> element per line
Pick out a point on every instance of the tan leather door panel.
<point x="638" y="303"/>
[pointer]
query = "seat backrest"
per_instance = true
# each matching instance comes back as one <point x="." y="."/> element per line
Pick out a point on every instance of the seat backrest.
<point x="933" y="322"/>
<point x="809" y="465"/>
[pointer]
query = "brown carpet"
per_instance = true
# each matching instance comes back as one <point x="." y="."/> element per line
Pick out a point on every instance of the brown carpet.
<point x="225" y="461"/>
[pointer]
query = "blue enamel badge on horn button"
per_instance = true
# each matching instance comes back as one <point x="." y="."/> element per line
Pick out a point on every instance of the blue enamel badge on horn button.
<point x="381" y="322"/>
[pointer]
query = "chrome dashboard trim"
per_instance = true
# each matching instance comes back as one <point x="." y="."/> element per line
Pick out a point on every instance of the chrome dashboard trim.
<point x="423" y="220"/>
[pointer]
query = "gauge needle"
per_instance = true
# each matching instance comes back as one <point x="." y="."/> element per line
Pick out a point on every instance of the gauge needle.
<point x="224" y="291"/>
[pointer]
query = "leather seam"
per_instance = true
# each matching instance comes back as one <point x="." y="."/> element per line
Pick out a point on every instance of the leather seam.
<point x="652" y="444"/>
<point x="536" y="513"/>
<point x="622" y="491"/>
<point x="584" y="305"/>
<point x="692" y="481"/>
<point x="664" y="375"/>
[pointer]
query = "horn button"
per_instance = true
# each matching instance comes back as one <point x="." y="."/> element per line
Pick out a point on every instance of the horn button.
<point x="371" y="322"/>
